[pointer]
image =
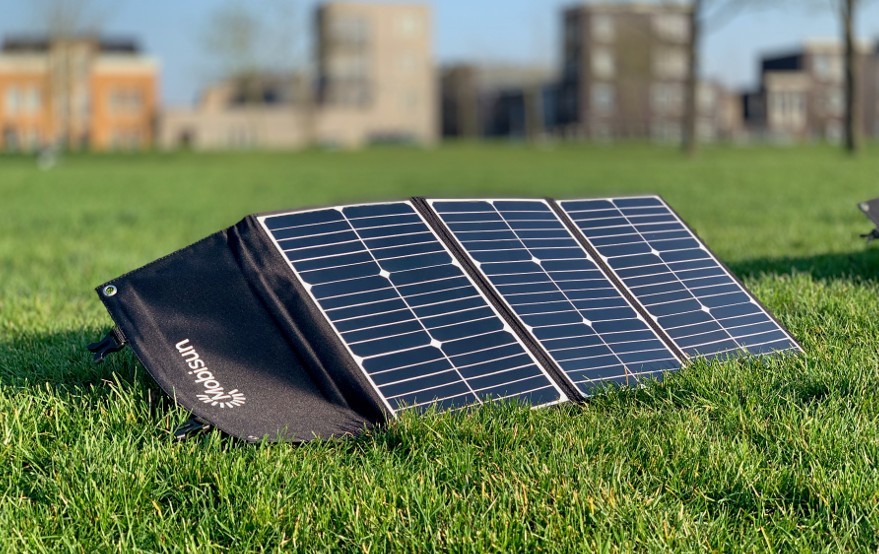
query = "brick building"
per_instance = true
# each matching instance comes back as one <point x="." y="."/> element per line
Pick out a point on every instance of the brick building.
<point x="802" y="94"/>
<point x="82" y="92"/>
<point x="624" y="75"/>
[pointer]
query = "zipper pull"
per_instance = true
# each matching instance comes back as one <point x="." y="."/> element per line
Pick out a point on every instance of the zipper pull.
<point x="114" y="341"/>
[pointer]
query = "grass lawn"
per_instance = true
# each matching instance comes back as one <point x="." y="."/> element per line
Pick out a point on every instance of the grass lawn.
<point x="751" y="455"/>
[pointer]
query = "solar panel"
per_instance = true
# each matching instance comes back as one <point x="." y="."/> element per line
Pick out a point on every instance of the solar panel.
<point x="414" y="321"/>
<point x="534" y="263"/>
<point x="680" y="283"/>
<point x="321" y="322"/>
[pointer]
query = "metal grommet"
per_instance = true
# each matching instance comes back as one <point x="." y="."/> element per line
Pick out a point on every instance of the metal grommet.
<point x="110" y="290"/>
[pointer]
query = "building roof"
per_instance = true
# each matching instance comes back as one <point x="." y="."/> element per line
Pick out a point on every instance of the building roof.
<point x="40" y="43"/>
<point x="631" y="7"/>
<point x="819" y="46"/>
<point x="501" y="75"/>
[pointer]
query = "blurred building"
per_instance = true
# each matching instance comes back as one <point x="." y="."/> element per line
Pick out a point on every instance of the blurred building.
<point x="82" y="92"/>
<point x="376" y="74"/>
<point x="486" y="101"/>
<point x="624" y="75"/>
<point x="802" y="94"/>
<point x="252" y="111"/>
<point x="375" y="83"/>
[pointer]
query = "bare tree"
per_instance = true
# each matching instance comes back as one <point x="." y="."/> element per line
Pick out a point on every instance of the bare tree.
<point x="847" y="10"/>
<point x="249" y="47"/>
<point x="232" y="40"/>
<point x="65" y="21"/>
<point x="707" y="13"/>
<point x="242" y="43"/>
<point x="691" y="108"/>
<point x="704" y="17"/>
<point x="67" y="18"/>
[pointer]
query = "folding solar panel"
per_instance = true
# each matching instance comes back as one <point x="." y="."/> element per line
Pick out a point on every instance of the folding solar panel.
<point x="321" y="322"/>
<point x="534" y="263"/>
<point x="682" y="285"/>
<point x="418" y="327"/>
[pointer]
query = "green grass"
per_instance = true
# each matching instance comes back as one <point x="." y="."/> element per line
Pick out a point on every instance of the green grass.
<point x="776" y="454"/>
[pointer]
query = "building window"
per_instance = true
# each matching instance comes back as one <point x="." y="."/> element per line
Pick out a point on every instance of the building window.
<point x="348" y="66"/>
<point x="349" y="93"/>
<point x="603" y="65"/>
<point x="787" y="109"/>
<point x="603" y="101"/>
<point x="32" y="100"/>
<point x="827" y="67"/>
<point x="834" y="102"/>
<point x="706" y="96"/>
<point x="124" y="100"/>
<point x="672" y="27"/>
<point x="349" y="29"/>
<point x="666" y="131"/>
<point x="670" y="63"/>
<point x="667" y="98"/>
<point x="408" y="25"/>
<point x="603" y="28"/>
<point x="12" y="100"/>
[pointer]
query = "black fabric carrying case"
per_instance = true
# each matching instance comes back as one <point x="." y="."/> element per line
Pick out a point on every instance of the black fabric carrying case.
<point x="225" y="331"/>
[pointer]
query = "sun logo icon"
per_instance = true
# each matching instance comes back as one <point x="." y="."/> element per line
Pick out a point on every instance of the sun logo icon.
<point x="229" y="399"/>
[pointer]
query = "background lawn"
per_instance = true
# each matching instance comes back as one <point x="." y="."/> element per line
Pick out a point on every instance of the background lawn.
<point x="745" y="455"/>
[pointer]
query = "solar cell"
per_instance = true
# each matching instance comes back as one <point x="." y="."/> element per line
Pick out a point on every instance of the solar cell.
<point x="680" y="283"/>
<point x="545" y="277"/>
<point x="413" y="320"/>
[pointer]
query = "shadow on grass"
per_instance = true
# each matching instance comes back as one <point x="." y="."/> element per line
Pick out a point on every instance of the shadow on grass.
<point x="61" y="360"/>
<point x="858" y="265"/>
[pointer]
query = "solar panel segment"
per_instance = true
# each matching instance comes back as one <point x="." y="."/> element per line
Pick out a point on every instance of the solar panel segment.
<point x="415" y="323"/>
<point x="687" y="291"/>
<point x="548" y="280"/>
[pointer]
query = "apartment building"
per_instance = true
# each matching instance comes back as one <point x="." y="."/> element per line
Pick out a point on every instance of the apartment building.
<point x="374" y="82"/>
<point x="375" y="73"/>
<point x="78" y="92"/>
<point x="241" y="112"/>
<point x="624" y="75"/>
<point x="802" y="94"/>
<point x="479" y="101"/>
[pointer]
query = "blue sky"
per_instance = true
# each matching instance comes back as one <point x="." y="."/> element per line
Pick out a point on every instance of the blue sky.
<point x="523" y="31"/>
